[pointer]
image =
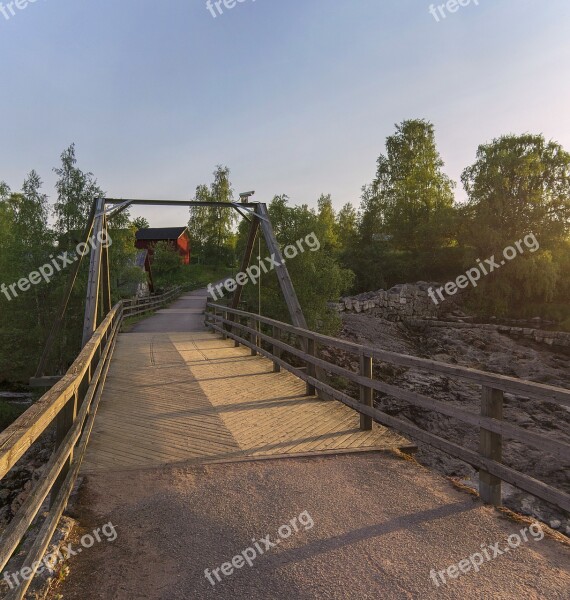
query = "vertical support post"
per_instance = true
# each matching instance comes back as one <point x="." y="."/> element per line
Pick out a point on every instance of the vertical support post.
<point x="275" y="350"/>
<point x="236" y="318"/>
<point x="91" y="304"/>
<point x="224" y="326"/>
<point x="253" y="336"/>
<point x="491" y="445"/>
<point x="366" y="393"/>
<point x="64" y="422"/>
<point x="106" y="275"/>
<point x="311" y="370"/>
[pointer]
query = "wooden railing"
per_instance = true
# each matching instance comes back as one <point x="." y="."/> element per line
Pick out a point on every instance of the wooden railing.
<point x="71" y="405"/>
<point x="139" y="306"/>
<point x="272" y="339"/>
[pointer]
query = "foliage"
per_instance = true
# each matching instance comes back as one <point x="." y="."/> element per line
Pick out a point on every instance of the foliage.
<point x="212" y="229"/>
<point x="167" y="266"/>
<point x="411" y="200"/>
<point x="317" y="276"/>
<point x="519" y="185"/>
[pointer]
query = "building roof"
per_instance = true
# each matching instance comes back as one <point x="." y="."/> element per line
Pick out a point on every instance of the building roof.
<point x="160" y="233"/>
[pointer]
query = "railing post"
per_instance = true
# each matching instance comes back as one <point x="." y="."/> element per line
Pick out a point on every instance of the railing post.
<point x="208" y="317"/>
<point x="311" y="370"/>
<point x="491" y="445"/>
<point x="235" y="330"/>
<point x="224" y="326"/>
<point x="275" y="350"/>
<point x="253" y="337"/>
<point x="63" y="423"/>
<point x="366" y="393"/>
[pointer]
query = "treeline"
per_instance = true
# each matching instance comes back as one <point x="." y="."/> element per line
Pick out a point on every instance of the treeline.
<point x="409" y="227"/>
<point x="33" y="234"/>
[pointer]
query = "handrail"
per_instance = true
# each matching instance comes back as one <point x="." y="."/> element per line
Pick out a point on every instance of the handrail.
<point x="493" y="428"/>
<point x="72" y="405"/>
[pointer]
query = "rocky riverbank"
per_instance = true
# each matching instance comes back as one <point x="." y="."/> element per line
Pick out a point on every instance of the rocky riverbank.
<point x="488" y="350"/>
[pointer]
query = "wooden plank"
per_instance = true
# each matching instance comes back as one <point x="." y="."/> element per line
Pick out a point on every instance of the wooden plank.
<point x="293" y="305"/>
<point x="366" y="394"/>
<point x="507" y="474"/>
<point x="491" y="446"/>
<point x="92" y="299"/>
<point x="556" y="447"/>
<point x="47" y="529"/>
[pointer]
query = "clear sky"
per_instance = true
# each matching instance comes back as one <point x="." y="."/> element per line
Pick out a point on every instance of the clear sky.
<point x="295" y="96"/>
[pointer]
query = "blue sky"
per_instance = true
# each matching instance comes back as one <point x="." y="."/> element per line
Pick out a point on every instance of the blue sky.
<point x="295" y="96"/>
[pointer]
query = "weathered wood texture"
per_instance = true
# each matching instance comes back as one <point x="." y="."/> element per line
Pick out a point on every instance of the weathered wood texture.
<point x="71" y="404"/>
<point x="191" y="397"/>
<point x="490" y="422"/>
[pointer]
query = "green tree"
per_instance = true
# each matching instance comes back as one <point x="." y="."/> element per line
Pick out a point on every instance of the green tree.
<point x="212" y="229"/>
<point x="76" y="192"/>
<point x="407" y="220"/>
<point x="317" y="276"/>
<point x="517" y="185"/>
<point x="140" y="223"/>
<point x="346" y="226"/>
<point x="167" y="267"/>
<point x="25" y="245"/>
<point x="327" y="219"/>
<point x="411" y="198"/>
<point x="520" y="185"/>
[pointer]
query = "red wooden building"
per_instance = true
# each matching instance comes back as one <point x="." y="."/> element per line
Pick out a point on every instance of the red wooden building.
<point x="177" y="237"/>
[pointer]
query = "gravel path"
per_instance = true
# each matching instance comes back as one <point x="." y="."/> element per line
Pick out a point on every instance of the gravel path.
<point x="380" y="524"/>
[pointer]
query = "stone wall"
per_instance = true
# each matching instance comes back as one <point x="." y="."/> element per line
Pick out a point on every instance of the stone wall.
<point x="411" y="304"/>
<point x="400" y="302"/>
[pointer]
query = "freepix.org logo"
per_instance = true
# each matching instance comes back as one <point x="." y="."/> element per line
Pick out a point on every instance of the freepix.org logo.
<point x="215" y="6"/>
<point x="57" y="264"/>
<point x="10" y="9"/>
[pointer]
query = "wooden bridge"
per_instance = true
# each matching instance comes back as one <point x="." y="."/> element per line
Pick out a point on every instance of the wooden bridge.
<point x="192" y="397"/>
<point x="205" y="384"/>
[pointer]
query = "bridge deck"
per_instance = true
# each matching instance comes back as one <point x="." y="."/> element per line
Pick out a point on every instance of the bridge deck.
<point x="193" y="397"/>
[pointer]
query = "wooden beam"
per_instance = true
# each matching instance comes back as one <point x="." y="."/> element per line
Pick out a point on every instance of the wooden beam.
<point x="92" y="300"/>
<point x="295" y="310"/>
<point x="192" y="203"/>
<point x="366" y="393"/>
<point x="46" y="381"/>
<point x="253" y="229"/>
<point x="491" y="445"/>
<point x="106" y="276"/>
